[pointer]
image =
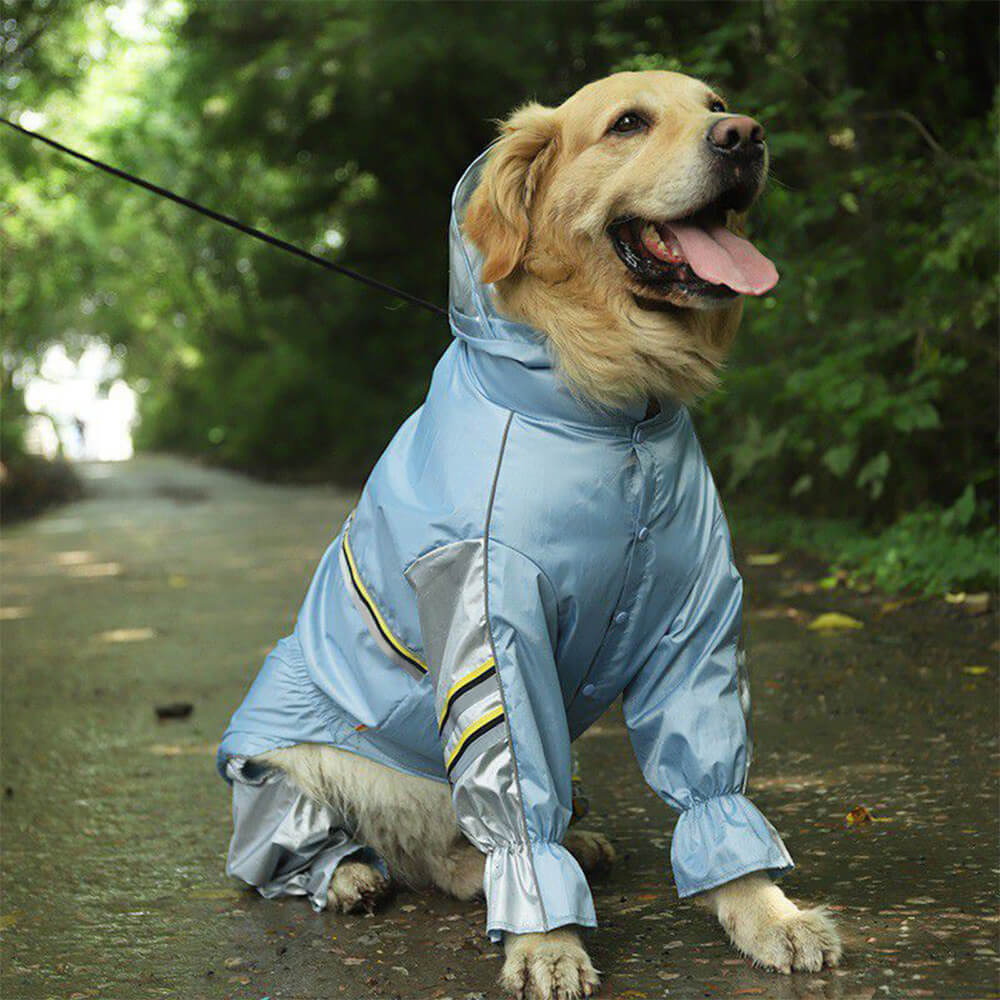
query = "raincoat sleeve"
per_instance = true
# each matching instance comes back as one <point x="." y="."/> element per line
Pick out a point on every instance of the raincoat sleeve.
<point x="687" y="713"/>
<point x="488" y="622"/>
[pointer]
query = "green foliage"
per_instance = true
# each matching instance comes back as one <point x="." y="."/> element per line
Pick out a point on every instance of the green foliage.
<point x="864" y="388"/>
<point x="929" y="551"/>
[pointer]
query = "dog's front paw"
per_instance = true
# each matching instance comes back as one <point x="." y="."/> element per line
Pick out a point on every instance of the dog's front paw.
<point x="551" y="966"/>
<point x="767" y="927"/>
<point x="803" y="941"/>
<point x="593" y="851"/>
<point x="357" y="887"/>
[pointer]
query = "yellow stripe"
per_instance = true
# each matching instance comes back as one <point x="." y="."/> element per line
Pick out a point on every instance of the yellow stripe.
<point x="463" y="680"/>
<point x="471" y="731"/>
<point x="373" y="608"/>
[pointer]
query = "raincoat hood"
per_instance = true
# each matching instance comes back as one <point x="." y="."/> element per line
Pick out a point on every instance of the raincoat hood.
<point x="513" y="360"/>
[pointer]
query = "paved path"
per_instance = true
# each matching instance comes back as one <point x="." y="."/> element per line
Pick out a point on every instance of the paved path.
<point x="170" y="582"/>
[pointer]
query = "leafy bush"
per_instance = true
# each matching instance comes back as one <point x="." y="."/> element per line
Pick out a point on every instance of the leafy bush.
<point x="929" y="551"/>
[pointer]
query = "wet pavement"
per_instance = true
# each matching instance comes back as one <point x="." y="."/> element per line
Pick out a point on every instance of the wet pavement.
<point x="170" y="582"/>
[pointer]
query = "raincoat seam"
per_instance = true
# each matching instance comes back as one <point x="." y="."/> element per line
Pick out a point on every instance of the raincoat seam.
<point x="409" y="567"/>
<point x="602" y="646"/>
<point x="493" y="650"/>
<point x="389" y="629"/>
<point x="686" y="589"/>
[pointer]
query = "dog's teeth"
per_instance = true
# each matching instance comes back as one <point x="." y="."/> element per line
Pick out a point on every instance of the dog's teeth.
<point x="652" y="239"/>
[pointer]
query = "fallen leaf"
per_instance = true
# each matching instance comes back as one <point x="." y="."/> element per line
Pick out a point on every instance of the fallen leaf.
<point x="10" y="613"/>
<point x="177" y="581"/>
<point x="74" y="558"/>
<point x="976" y="604"/>
<point x="890" y="606"/>
<point x="858" y="816"/>
<point x="975" y="671"/>
<point x="834" y="621"/>
<point x="127" y="635"/>
<point x="765" y="558"/>
<point x="96" y="569"/>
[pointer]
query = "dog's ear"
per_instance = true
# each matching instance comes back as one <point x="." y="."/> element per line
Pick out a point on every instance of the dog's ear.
<point x="497" y="219"/>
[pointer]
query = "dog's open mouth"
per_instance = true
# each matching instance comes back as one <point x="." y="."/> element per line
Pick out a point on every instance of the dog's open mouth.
<point x="692" y="261"/>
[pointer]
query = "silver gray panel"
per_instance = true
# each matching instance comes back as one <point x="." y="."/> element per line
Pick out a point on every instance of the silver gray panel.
<point x="284" y="843"/>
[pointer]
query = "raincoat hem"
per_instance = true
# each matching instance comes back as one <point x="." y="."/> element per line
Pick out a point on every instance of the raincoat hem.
<point x="562" y="892"/>
<point x="498" y="928"/>
<point x="776" y="871"/>
<point x="725" y="828"/>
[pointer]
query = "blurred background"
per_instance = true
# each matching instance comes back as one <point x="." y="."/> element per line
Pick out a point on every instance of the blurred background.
<point x="858" y="420"/>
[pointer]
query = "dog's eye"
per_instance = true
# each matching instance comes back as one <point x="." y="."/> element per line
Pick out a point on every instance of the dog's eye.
<point x="717" y="106"/>
<point x="629" y="123"/>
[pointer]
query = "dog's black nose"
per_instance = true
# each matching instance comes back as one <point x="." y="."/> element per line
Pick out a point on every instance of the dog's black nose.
<point x="737" y="136"/>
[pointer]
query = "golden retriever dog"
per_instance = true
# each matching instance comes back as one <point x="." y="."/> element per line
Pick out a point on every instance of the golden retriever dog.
<point x="610" y="223"/>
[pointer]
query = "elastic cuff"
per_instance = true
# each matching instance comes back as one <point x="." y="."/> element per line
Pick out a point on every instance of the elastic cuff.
<point x="534" y="887"/>
<point x="721" y="839"/>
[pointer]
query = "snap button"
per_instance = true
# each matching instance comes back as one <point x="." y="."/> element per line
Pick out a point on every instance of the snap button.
<point x="621" y="617"/>
<point x="643" y="534"/>
<point x="588" y="690"/>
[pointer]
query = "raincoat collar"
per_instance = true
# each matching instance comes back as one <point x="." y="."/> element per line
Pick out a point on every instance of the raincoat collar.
<point x="512" y="361"/>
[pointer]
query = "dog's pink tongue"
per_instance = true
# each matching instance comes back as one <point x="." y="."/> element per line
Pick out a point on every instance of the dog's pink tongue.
<point x="723" y="258"/>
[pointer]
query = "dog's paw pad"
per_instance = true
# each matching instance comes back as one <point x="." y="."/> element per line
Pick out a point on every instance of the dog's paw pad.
<point x="549" y="967"/>
<point x="357" y="887"/>
<point x="593" y="851"/>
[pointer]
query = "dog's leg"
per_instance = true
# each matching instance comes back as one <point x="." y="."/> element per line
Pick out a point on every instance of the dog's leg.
<point x="593" y="851"/>
<point x="459" y="872"/>
<point x="770" y="929"/>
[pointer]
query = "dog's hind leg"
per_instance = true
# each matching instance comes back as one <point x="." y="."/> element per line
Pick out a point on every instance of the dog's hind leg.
<point x="459" y="872"/>
<point x="593" y="851"/>
<point x="409" y="823"/>
<point x="357" y="887"/>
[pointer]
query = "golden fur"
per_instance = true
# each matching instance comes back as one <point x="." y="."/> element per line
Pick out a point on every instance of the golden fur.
<point x="553" y="183"/>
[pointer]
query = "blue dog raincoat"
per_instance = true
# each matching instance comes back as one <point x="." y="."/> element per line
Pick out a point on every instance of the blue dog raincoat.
<point x="517" y="561"/>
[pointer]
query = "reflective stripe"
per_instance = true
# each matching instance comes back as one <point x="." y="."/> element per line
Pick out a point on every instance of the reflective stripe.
<point x="463" y="684"/>
<point x="483" y="724"/>
<point x="379" y="622"/>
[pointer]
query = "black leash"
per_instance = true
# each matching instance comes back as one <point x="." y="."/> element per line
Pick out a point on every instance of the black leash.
<point x="232" y="223"/>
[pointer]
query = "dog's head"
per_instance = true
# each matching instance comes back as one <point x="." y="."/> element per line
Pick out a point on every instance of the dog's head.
<point x="611" y="224"/>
